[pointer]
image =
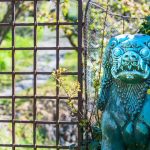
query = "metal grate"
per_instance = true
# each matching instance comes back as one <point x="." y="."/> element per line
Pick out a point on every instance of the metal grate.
<point x="13" y="24"/>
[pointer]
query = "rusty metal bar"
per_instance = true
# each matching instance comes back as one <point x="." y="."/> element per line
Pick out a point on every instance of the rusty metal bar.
<point x="13" y="74"/>
<point x="39" y="122"/>
<point x="35" y="74"/>
<point x="39" y="24"/>
<point x="38" y="73"/>
<point x="57" y="67"/>
<point x="37" y="146"/>
<point x="38" y="97"/>
<point x="80" y="71"/>
<point x="40" y="48"/>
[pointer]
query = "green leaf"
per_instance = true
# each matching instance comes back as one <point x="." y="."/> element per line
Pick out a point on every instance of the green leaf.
<point x="94" y="145"/>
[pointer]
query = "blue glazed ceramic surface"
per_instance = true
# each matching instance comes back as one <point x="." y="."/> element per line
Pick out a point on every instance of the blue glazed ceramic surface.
<point x="123" y="96"/>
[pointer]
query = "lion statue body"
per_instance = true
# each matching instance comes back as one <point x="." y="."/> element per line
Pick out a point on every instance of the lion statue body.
<point x="123" y="96"/>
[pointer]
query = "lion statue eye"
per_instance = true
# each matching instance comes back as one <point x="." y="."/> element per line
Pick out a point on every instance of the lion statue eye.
<point x="117" y="52"/>
<point x="144" y="52"/>
<point x="113" y="43"/>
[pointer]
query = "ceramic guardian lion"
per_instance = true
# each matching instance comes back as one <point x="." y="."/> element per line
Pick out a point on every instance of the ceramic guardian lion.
<point x="123" y="96"/>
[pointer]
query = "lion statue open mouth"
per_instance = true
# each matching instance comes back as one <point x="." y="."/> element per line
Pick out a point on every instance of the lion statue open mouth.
<point x="130" y="60"/>
<point x="123" y="96"/>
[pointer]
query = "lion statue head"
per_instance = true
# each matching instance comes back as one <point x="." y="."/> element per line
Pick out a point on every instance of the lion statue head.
<point x="130" y="58"/>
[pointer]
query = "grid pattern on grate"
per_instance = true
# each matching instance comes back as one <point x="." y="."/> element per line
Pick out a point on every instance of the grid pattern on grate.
<point x="13" y="24"/>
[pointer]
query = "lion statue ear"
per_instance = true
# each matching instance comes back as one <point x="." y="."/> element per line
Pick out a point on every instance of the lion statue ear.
<point x="148" y="80"/>
<point x="147" y="44"/>
<point x="107" y="76"/>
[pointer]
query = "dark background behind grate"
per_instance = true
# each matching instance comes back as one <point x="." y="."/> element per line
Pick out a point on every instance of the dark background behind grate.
<point x="35" y="49"/>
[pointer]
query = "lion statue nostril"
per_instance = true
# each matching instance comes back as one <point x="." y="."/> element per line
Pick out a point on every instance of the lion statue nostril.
<point x="125" y="59"/>
<point x="133" y="56"/>
<point x="126" y="56"/>
<point x="130" y="55"/>
<point x="134" y="63"/>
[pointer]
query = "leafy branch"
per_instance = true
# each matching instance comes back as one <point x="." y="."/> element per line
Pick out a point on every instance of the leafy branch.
<point x="70" y="91"/>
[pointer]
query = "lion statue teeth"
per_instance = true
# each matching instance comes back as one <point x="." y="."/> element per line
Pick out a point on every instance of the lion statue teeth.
<point x="123" y="96"/>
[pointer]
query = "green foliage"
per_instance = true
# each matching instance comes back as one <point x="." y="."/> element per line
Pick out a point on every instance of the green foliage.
<point x="3" y="10"/>
<point x="70" y="61"/>
<point x="5" y="60"/>
<point x="23" y="133"/>
<point x="23" y="57"/>
<point x="5" y="102"/>
<point x="128" y="8"/>
<point x="94" y="141"/>
<point x="42" y="137"/>
<point x="5" y="134"/>
<point x="145" y="26"/>
<point x="131" y="8"/>
<point x="72" y="147"/>
<point x="7" y="42"/>
<point x="94" y="145"/>
<point x="97" y="133"/>
<point x="84" y="123"/>
<point x="70" y="11"/>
